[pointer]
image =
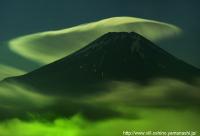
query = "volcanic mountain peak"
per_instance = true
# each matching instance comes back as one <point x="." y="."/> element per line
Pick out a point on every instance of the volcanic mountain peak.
<point x="123" y="40"/>
<point x="114" y="56"/>
<point x="114" y="37"/>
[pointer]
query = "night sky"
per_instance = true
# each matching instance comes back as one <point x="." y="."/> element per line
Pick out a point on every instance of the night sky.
<point x="20" y="17"/>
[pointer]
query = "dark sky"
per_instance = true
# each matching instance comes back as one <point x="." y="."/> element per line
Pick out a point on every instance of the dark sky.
<point x="20" y="17"/>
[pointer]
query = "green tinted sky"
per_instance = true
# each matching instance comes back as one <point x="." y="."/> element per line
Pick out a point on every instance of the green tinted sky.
<point x="22" y="17"/>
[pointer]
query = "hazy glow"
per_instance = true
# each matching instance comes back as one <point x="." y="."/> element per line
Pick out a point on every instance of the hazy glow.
<point x="152" y="119"/>
<point x="17" y="95"/>
<point x="7" y="71"/>
<point x="138" y="103"/>
<point x="49" y="46"/>
<point x="160" y="92"/>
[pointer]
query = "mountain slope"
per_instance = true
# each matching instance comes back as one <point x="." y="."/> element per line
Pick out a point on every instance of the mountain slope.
<point x="32" y="51"/>
<point x="116" y="56"/>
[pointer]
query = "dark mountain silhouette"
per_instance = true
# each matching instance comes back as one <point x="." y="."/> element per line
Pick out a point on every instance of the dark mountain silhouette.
<point x="114" y="56"/>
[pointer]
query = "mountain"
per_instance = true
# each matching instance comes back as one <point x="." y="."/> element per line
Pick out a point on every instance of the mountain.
<point x="115" y="56"/>
<point x="32" y="51"/>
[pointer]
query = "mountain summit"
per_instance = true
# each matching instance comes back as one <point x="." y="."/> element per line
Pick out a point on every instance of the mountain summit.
<point x="120" y="56"/>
